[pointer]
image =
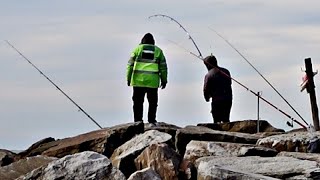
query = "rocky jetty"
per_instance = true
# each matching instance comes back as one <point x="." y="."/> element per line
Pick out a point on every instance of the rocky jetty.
<point x="138" y="151"/>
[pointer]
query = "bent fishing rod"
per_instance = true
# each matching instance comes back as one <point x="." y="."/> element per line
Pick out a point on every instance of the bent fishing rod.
<point x="233" y="47"/>
<point x="189" y="36"/>
<point x="24" y="57"/>
<point x="201" y="58"/>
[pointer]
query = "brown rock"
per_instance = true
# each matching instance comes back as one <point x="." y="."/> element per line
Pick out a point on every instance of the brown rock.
<point x="37" y="148"/>
<point x="163" y="159"/>
<point x="245" y="126"/>
<point x="103" y="141"/>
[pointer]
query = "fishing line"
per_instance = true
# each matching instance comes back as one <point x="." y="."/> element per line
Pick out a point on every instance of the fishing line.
<point x="201" y="58"/>
<point x="258" y="73"/>
<point x="52" y="83"/>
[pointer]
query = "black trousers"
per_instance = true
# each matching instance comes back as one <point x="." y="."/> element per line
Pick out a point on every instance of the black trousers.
<point x="138" y="99"/>
<point x="221" y="110"/>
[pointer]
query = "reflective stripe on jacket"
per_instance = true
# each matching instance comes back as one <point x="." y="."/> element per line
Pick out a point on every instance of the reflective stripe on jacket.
<point x="147" y="66"/>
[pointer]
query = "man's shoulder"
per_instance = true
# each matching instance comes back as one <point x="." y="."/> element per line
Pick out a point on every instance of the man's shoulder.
<point x="224" y="69"/>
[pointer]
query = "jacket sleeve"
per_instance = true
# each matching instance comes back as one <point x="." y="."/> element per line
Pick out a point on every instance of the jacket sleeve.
<point x="131" y="64"/>
<point x="206" y="88"/>
<point x="163" y="69"/>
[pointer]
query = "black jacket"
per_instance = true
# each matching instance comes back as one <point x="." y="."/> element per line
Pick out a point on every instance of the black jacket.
<point x="217" y="85"/>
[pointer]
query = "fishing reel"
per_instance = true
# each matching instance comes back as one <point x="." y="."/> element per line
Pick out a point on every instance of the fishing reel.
<point x="290" y="124"/>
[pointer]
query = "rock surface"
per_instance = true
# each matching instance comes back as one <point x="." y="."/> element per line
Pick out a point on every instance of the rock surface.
<point x="103" y="141"/>
<point x="294" y="142"/>
<point x="7" y="157"/>
<point x="140" y="151"/>
<point x="23" y="166"/>
<point x="277" y="167"/>
<point x="245" y="126"/>
<point x="85" y="165"/>
<point x="162" y="159"/>
<point x="123" y="157"/>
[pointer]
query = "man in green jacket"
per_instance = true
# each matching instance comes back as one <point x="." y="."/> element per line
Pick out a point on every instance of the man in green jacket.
<point x="146" y="72"/>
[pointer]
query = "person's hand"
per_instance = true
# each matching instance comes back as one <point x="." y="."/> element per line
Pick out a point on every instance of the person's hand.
<point x="163" y="85"/>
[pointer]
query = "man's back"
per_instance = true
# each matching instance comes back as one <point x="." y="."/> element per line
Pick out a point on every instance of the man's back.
<point x="218" y="84"/>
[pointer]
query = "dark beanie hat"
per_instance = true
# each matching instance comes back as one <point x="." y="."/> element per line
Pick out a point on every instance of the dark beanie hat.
<point x="147" y="39"/>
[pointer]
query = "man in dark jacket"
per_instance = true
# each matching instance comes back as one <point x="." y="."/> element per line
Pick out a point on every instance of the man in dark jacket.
<point x="217" y="86"/>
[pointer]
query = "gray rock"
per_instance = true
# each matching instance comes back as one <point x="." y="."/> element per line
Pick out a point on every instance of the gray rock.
<point x="145" y="174"/>
<point x="185" y="135"/>
<point x="85" y="165"/>
<point x="277" y="167"/>
<point x="293" y="142"/>
<point x="302" y="156"/>
<point x="197" y="149"/>
<point x="24" y="166"/>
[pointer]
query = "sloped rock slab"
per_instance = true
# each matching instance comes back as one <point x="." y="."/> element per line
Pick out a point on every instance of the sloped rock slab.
<point x="276" y="167"/>
<point x="302" y="156"/>
<point x="84" y="165"/>
<point x="293" y="142"/>
<point x="166" y="128"/>
<point x="185" y="135"/>
<point x="245" y="126"/>
<point x="37" y="148"/>
<point x="24" y="166"/>
<point x="103" y="141"/>
<point x="123" y="157"/>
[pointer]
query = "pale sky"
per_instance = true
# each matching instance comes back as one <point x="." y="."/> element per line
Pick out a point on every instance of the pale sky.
<point x="84" y="46"/>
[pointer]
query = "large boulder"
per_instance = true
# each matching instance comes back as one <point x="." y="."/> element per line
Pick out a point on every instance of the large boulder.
<point x="123" y="157"/>
<point x="245" y="126"/>
<point x="103" y="141"/>
<point x="24" y="166"/>
<point x="276" y="167"/>
<point x="294" y="142"/>
<point x="197" y="149"/>
<point x="166" y="128"/>
<point x="84" y="165"/>
<point x="185" y="135"/>
<point x="162" y="158"/>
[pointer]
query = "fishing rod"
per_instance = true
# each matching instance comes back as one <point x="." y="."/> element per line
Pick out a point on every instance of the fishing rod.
<point x="52" y="83"/>
<point x="201" y="58"/>
<point x="233" y="47"/>
<point x="189" y="36"/>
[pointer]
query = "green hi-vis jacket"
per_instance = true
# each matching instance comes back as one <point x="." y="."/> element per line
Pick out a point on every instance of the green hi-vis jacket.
<point x="147" y="66"/>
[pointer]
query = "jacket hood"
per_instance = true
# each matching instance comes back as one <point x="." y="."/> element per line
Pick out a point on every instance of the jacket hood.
<point x="210" y="62"/>
<point x="148" y="39"/>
